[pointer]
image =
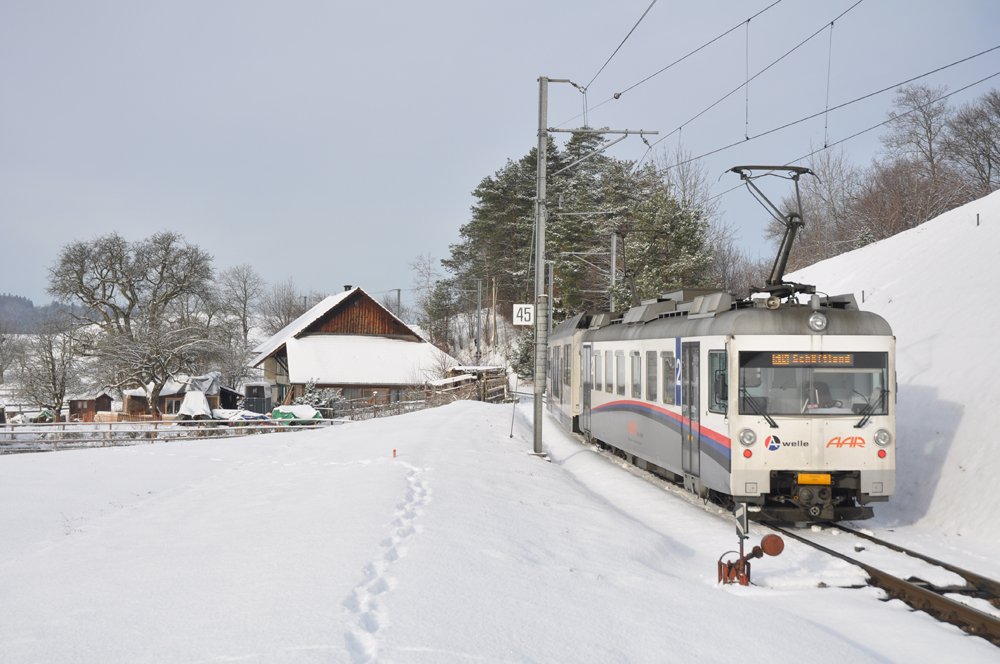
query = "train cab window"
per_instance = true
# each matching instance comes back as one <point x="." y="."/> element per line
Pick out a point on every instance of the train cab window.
<point x="813" y="384"/>
<point x="718" y="374"/>
<point x="636" y="374"/>
<point x="598" y="376"/>
<point x="609" y="371"/>
<point x="669" y="376"/>
<point x="650" y="375"/>
<point x="620" y="372"/>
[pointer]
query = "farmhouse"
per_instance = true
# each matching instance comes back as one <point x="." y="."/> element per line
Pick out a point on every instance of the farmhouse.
<point x="351" y="342"/>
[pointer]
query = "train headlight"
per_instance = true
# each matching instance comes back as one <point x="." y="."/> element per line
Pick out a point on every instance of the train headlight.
<point x="747" y="437"/>
<point x="817" y="321"/>
<point x="882" y="437"/>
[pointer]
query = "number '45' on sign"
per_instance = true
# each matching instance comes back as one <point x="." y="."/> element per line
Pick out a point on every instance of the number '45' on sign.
<point x="524" y="314"/>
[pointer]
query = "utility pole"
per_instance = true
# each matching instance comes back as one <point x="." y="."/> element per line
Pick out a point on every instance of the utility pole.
<point x="479" y="321"/>
<point x="614" y="270"/>
<point x="552" y="266"/>
<point x="541" y="298"/>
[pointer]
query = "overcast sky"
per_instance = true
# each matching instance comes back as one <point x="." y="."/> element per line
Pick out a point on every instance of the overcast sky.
<point x="335" y="142"/>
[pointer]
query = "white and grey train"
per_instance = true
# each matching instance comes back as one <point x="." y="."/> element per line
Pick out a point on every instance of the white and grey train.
<point x="783" y="402"/>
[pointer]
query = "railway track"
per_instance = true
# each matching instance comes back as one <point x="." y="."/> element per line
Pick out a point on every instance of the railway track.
<point x="940" y="601"/>
<point x="919" y="594"/>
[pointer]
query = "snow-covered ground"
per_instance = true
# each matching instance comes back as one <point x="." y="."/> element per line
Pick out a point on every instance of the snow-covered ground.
<point x="322" y="546"/>
<point x="436" y="537"/>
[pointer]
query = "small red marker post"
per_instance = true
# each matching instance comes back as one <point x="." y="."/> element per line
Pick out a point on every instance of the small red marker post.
<point x="394" y="453"/>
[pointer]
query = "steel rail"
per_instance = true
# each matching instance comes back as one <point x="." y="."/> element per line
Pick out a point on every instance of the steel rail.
<point x="989" y="588"/>
<point x="917" y="596"/>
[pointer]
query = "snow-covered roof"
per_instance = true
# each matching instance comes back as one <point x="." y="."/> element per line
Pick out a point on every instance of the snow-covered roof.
<point x="210" y="383"/>
<point x="348" y="359"/>
<point x="297" y="326"/>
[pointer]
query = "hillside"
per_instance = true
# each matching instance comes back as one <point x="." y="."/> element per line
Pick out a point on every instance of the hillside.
<point x="935" y="284"/>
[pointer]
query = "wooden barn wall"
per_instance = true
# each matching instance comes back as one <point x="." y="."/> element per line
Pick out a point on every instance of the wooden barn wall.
<point x="361" y="315"/>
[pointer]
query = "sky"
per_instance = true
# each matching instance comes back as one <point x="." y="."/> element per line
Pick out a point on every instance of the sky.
<point x="436" y="537"/>
<point x="336" y="143"/>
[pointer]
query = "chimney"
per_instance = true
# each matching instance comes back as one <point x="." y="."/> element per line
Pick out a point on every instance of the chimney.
<point x="348" y="287"/>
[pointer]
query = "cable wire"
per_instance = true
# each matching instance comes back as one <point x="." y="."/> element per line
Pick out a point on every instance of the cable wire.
<point x="843" y="105"/>
<point x="618" y="95"/>
<point x="858" y="133"/>
<point x="737" y="88"/>
<point x="620" y="45"/>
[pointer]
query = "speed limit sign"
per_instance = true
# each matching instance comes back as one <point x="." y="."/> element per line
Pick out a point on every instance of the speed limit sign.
<point x="524" y="314"/>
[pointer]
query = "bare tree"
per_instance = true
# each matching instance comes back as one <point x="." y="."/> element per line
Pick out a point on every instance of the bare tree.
<point x="116" y="280"/>
<point x="280" y="306"/>
<point x="917" y="127"/>
<point x="140" y="296"/>
<point x="897" y="195"/>
<point x="240" y="289"/>
<point x="11" y="347"/>
<point x="49" y="367"/>
<point x="972" y="142"/>
<point x="687" y="181"/>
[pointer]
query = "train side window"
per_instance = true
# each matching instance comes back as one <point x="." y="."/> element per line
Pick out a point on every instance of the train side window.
<point x="567" y="365"/>
<point x="620" y="372"/>
<point x="609" y="372"/>
<point x="720" y="381"/>
<point x="650" y="375"/>
<point x="554" y="371"/>
<point x="598" y="376"/>
<point x="636" y="375"/>
<point x="669" y="376"/>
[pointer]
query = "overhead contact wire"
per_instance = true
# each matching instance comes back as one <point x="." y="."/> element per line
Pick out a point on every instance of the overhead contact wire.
<point x="739" y="87"/>
<point x="610" y="57"/>
<point x="847" y="103"/>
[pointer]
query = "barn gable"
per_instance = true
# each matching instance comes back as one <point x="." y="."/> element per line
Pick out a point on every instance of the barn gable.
<point x="359" y="314"/>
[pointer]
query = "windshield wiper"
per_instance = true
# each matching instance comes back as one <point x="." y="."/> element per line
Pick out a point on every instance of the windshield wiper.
<point x="869" y="410"/>
<point x="748" y="399"/>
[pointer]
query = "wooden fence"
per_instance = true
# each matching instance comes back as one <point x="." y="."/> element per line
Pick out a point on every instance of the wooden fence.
<point x="17" y="438"/>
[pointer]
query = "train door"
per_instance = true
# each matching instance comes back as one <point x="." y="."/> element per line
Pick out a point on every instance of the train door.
<point x="587" y="376"/>
<point x="690" y="408"/>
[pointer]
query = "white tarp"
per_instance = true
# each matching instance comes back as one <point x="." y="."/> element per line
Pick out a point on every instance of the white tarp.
<point x="195" y="406"/>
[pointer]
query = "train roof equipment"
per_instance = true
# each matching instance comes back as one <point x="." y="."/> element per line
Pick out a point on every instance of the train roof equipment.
<point x="791" y="220"/>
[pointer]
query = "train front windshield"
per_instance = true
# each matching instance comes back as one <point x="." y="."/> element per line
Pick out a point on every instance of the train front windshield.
<point x="806" y="383"/>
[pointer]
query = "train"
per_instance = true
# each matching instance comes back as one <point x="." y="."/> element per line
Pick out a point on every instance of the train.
<point x="783" y="400"/>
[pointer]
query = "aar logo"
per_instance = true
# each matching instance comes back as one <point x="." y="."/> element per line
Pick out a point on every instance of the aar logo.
<point x="773" y="443"/>
<point x="846" y="441"/>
